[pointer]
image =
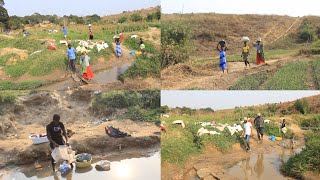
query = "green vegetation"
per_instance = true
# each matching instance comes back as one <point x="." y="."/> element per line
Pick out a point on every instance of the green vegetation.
<point x="176" y="44"/>
<point x="272" y="129"/>
<point x="27" y="85"/>
<point x="136" y="17"/>
<point x="5" y="58"/>
<point x="302" y="106"/>
<point x="179" y="143"/>
<point x="316" y="72"/>
<point x="133" y="44"/>
<point x="307" y="160"/>
<point x="311" y="122"/>
<point x="289" y="77"/>
<point x="251" y="82"/>
<point x="140" y="105"/>
<point x="144" y="67"/>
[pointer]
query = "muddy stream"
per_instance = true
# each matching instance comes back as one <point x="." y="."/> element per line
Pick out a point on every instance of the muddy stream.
<point x="128" y="169"/>
<point x="101" y="78"/>
<point x="262" y="166"/>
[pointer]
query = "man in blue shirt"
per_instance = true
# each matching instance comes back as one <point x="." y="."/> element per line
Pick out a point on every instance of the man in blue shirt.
<point x="71" y="52"/>
<point x="64" y="30"/>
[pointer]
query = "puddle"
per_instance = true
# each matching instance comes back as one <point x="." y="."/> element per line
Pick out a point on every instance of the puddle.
<point x="262" y="166"/>
<point x="128" y="169"/>
<point x="110" y="76"/>
<point x="101" y="78"/>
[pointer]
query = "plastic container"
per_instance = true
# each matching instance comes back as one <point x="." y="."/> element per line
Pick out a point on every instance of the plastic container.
<point x="83" y="164"/>
<point x="39" y="138"/>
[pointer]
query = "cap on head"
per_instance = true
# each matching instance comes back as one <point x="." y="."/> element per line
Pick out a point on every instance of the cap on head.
<point x="56" y="118"/>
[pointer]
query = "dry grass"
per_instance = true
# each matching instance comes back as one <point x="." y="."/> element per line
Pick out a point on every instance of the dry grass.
<point x="208" y="29"/>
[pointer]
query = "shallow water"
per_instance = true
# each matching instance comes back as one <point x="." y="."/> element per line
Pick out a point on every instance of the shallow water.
<point x="101" y="78"/>
<point x="111" y="75"/>
<point x="262" y="166"/>
<point x="128" y="169"/>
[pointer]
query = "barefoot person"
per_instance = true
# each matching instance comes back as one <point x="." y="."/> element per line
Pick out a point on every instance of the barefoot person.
<point x="258" y="123"/>
<point x="245" y="53"/>
<point x="118" y="48"/>
<point x="223" y="58"/>
<point x="55" y="133"/>
<point x="247" y="133"/>
<point x="71" y="52"/>
<point x="260" y="53"/>
<point x="85" y="66"/>
<point x="283" y="128"/>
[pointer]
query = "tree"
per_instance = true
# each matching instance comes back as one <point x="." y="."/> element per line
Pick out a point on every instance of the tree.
<point x="158" y="14"/>
<point x="4" y="17"/>
<point x="302" y="106"/>
<point x="136" y="17"/>
<point x="164" y="109"/>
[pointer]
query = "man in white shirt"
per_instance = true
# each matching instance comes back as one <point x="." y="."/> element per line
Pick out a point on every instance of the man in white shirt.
<point x="247" y="132"/>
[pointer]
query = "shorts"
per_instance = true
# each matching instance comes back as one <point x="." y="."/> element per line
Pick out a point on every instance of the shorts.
<point x="91" y="37"/>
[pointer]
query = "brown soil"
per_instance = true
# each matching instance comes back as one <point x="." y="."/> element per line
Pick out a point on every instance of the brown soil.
<point x="217" y="162"/>
<point x="31" y="113"/>
<point x="208" y="77"/>
<point x="22" y="54"/>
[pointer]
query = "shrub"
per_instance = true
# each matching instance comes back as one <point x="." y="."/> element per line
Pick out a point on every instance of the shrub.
<point x="176" y="44"/>
<point x="313" y="122"/>
<point x="302" y="106"/>
<point x="123" y="20"/>
<point x="307" y="160"/>
<point x="136" y="17"/>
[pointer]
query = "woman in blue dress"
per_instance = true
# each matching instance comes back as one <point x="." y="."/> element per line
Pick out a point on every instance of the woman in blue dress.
<point x="118" y="48"/>
<point x="223" y="59"/>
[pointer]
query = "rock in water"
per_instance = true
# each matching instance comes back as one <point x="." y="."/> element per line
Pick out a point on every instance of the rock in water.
<point x="103" y="165"/>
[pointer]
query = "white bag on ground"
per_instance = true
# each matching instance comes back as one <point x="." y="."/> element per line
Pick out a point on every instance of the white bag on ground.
<point x="103" y="165"/>
<point x="63" y="153"/>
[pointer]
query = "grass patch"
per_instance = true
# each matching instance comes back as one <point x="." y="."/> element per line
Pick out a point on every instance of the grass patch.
<point x="133" y="44"/>
<point x="307" y="160"/>
<point x="27" y="85"/>
<point x="5" y="58"/>
<point x="27" y="43"/>
<point x="18" y="69"/>
<point x="311" y="122"/>
<point x="289" y="77"/>
<point x="251" y="82"/>
<point x="316" y="72"/>
<point x="143" y="67"/>
<point x="272" y="129"/>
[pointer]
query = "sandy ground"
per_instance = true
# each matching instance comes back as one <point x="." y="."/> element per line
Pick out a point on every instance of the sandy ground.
<point x="32" y="113"/>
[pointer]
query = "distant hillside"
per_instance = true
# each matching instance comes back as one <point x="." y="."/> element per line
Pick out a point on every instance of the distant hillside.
<point x="210" y="28"/>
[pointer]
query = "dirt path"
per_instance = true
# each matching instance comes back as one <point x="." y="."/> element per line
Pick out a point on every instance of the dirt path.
<point x="216" y="163"/>
<point x="310" y="77"/>
<point x="210" y="78"/>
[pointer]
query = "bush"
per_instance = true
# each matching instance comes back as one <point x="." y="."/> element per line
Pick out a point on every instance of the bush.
<point x="143" y="67"/>
<point x="136" y="17"/>
<point x="136" y="113"/>
<point x="306" y="34"/>
<point x="313" y="122"/>
<point x="176" y="44"/>
<point x="302" y="106"/>
<point x="307" y="160"/>
<point x="123" y="20"/>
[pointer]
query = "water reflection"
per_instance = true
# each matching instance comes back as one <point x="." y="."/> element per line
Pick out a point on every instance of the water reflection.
<point x="129" y="169"/>
<point x="262" y="166"/>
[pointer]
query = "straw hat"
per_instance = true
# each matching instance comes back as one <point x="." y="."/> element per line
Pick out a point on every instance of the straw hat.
<point x="259" y="114"/>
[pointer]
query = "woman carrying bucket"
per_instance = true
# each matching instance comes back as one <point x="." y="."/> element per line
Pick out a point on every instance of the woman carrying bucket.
<point x="245" y="51"/>
<point x="260" y="53"/>
<point x="223" y="58"/>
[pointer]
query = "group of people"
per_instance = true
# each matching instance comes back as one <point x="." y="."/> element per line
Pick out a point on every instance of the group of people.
<point x="84" y="62"/>
<point x="258" y="122"/>
<point x="222" y="48"/>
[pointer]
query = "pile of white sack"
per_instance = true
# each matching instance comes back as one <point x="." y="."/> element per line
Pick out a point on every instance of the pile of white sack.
<point x="90" y="45"/>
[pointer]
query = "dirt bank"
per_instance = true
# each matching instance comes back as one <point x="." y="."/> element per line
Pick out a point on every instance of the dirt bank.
<point x="32" y="112"/>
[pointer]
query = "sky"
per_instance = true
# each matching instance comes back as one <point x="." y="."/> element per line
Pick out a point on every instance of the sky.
<point x="278" y="7"/>
<point x="228" y="99"/>
<point x="75" y="7"/>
